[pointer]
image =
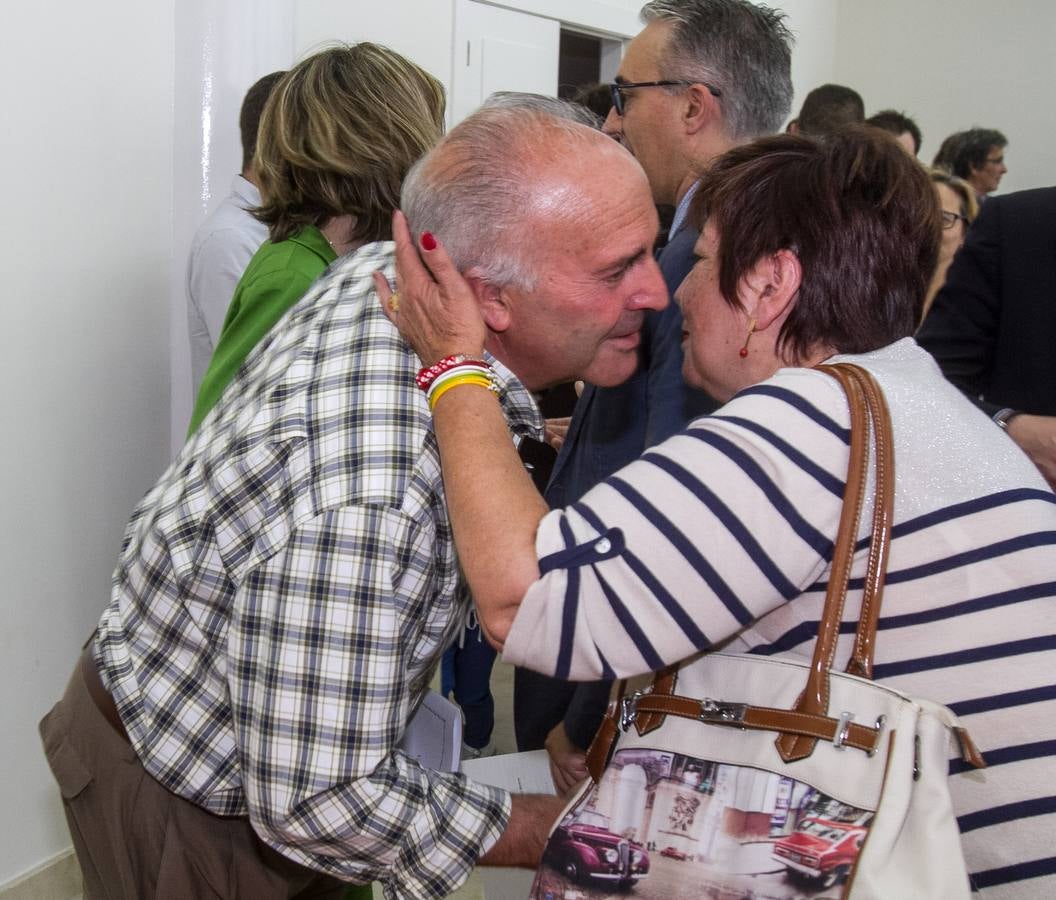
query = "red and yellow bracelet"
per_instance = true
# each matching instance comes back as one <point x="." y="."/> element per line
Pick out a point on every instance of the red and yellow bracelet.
<point x="439" y="388"/>
<point x="428" y="374"/>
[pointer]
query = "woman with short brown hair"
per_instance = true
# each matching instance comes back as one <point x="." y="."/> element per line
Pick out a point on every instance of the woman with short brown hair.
<point x="723" y="535"/>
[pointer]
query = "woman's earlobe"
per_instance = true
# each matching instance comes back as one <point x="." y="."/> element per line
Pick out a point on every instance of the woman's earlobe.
<point x="775" y="282"/>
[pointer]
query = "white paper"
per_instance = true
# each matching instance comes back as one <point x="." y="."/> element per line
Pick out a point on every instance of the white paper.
<point x="518" y="773"/>
<point x="434" y="734"/>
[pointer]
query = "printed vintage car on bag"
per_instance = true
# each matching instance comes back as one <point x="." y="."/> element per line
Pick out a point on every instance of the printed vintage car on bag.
<point x="583" y="850"/>
<point x="821" y="850"/>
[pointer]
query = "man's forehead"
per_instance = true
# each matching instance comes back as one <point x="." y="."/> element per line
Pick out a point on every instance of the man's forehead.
<point x="596" y="164"/>
<point x="645" y="53"/>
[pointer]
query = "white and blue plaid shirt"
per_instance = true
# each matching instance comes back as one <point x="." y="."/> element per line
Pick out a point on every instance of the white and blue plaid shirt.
<point x="285" y="591"/>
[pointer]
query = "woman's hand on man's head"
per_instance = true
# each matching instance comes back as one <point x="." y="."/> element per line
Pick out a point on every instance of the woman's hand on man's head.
<point x="434" y="307"/>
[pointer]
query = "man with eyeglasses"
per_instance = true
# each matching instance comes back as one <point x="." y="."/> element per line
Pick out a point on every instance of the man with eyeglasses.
<point x="976" y="155"/>
<point x="702" y="77"/>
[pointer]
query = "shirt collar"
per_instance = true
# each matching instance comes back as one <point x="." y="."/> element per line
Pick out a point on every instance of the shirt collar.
<point x="311" y="238"/>
<point x="681" y="211"/>
<point x="521" y="411"/>
<point x="246" y="191"/>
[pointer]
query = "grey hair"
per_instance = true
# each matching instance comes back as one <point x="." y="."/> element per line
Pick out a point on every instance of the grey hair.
<point x="475" y="189"/>
<point x="562" y="109"/>
<point x="743" y="50"/>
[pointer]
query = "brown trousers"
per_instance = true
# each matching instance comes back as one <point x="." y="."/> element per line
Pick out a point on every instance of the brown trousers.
<point x="135" y="840"/>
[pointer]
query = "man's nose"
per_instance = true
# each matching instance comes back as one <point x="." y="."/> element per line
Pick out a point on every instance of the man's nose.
<point x="613" y="124"/>
<point x="653" y="293"/>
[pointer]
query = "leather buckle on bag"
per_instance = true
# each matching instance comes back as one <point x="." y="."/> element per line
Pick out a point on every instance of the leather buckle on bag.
<point x="717" y="711"/>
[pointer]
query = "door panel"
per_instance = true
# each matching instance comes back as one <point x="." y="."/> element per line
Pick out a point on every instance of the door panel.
<point x="500" y="50"/>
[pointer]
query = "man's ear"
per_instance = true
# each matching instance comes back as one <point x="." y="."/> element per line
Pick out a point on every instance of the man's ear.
<point x="493" y="302"/>
<point x="771" y="286"/>
<point x="700" y="110"/>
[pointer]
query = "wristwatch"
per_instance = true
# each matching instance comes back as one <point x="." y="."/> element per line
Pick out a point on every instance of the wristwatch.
<point x="1003" y="416"/>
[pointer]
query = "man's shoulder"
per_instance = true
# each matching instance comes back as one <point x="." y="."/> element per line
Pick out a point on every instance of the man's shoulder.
<point x="1032" y="212"/>
<point x="231" y="221"/>
<point x="1033" y="198"/>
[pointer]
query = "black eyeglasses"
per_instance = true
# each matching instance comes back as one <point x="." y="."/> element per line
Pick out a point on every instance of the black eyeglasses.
<point x="616" y="88"/>
<point x="949" y="219"/>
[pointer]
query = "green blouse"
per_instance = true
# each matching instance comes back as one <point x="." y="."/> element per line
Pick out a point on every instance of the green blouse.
<point x="277" y="277"/>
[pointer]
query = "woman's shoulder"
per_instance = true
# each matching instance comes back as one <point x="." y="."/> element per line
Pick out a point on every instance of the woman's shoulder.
<point x="301" y="254"/>
<point x="792" y="397"/>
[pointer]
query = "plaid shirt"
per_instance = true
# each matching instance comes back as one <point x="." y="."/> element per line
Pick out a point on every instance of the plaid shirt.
<point x="285" y="591"/>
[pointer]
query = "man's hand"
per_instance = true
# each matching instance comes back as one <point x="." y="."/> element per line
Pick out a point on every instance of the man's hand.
<point x="1036" y="435"/>
<point x="568" y="764"/>
<point x="521" y="844"/>
<point x="556" y="430"/>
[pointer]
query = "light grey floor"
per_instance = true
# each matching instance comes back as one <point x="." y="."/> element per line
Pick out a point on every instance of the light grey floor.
<point x="502" y="689"/>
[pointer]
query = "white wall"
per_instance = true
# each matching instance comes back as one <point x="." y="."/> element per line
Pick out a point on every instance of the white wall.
<point x="955" y="64"/>
<point x="87" y="243"/>
<point x="220" y="48"/>
<point x="813" y="24"/>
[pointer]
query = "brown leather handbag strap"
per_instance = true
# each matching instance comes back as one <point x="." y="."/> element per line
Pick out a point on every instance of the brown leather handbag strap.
<point x="869" y="415"/>
<point x="604" y="743"/>
<point x="841" y="732"/>
<point x="861" y="663"/>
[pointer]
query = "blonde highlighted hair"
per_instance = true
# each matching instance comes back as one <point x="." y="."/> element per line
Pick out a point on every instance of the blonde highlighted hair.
<point x="963" y="190"/>
<point x="338" y="135"/>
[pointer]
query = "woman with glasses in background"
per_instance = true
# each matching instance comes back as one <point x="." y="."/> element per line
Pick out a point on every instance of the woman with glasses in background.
<point x="959" y="209"/>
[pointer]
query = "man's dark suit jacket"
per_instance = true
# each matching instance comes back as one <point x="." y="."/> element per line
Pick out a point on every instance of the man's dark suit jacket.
<point x="992" y="328"/>
<point x="610" y="428"/>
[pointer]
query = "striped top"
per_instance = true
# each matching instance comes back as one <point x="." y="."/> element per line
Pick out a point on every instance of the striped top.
<point x="723" y="535"/>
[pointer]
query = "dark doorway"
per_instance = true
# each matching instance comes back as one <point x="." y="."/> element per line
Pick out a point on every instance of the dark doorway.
<point x="579" y="63"/>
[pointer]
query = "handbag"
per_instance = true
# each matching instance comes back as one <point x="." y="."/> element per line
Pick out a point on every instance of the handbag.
<point x="736" y="775"/>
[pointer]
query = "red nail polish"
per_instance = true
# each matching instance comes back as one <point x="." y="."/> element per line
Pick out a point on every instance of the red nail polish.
<point x="428" y="241"/>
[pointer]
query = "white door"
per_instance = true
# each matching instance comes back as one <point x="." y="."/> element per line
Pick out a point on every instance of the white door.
<point x="500" y="50"/>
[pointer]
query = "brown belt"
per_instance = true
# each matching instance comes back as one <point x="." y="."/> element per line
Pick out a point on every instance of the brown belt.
<point x="99" y="694"/>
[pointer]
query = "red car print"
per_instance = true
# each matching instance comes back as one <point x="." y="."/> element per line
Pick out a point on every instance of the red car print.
<point x="583" y="850"/>
<point x="820" y="850"/>
<point x="674" y="853"/>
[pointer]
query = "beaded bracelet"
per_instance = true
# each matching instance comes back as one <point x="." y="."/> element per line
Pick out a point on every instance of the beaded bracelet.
<point x="441" y="389"/>
<point x="428" y="374"/>
<point x="456" y="372"/>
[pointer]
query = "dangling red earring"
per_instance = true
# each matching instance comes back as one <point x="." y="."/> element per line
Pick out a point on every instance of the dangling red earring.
<point x="743" y="352"/>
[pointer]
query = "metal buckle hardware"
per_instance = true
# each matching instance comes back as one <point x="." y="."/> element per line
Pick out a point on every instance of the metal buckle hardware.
<point x="879" y="727"/>
<point x="842" y="730"/>
<point x="629" y="709"/>
<point x="721" y="712"/>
